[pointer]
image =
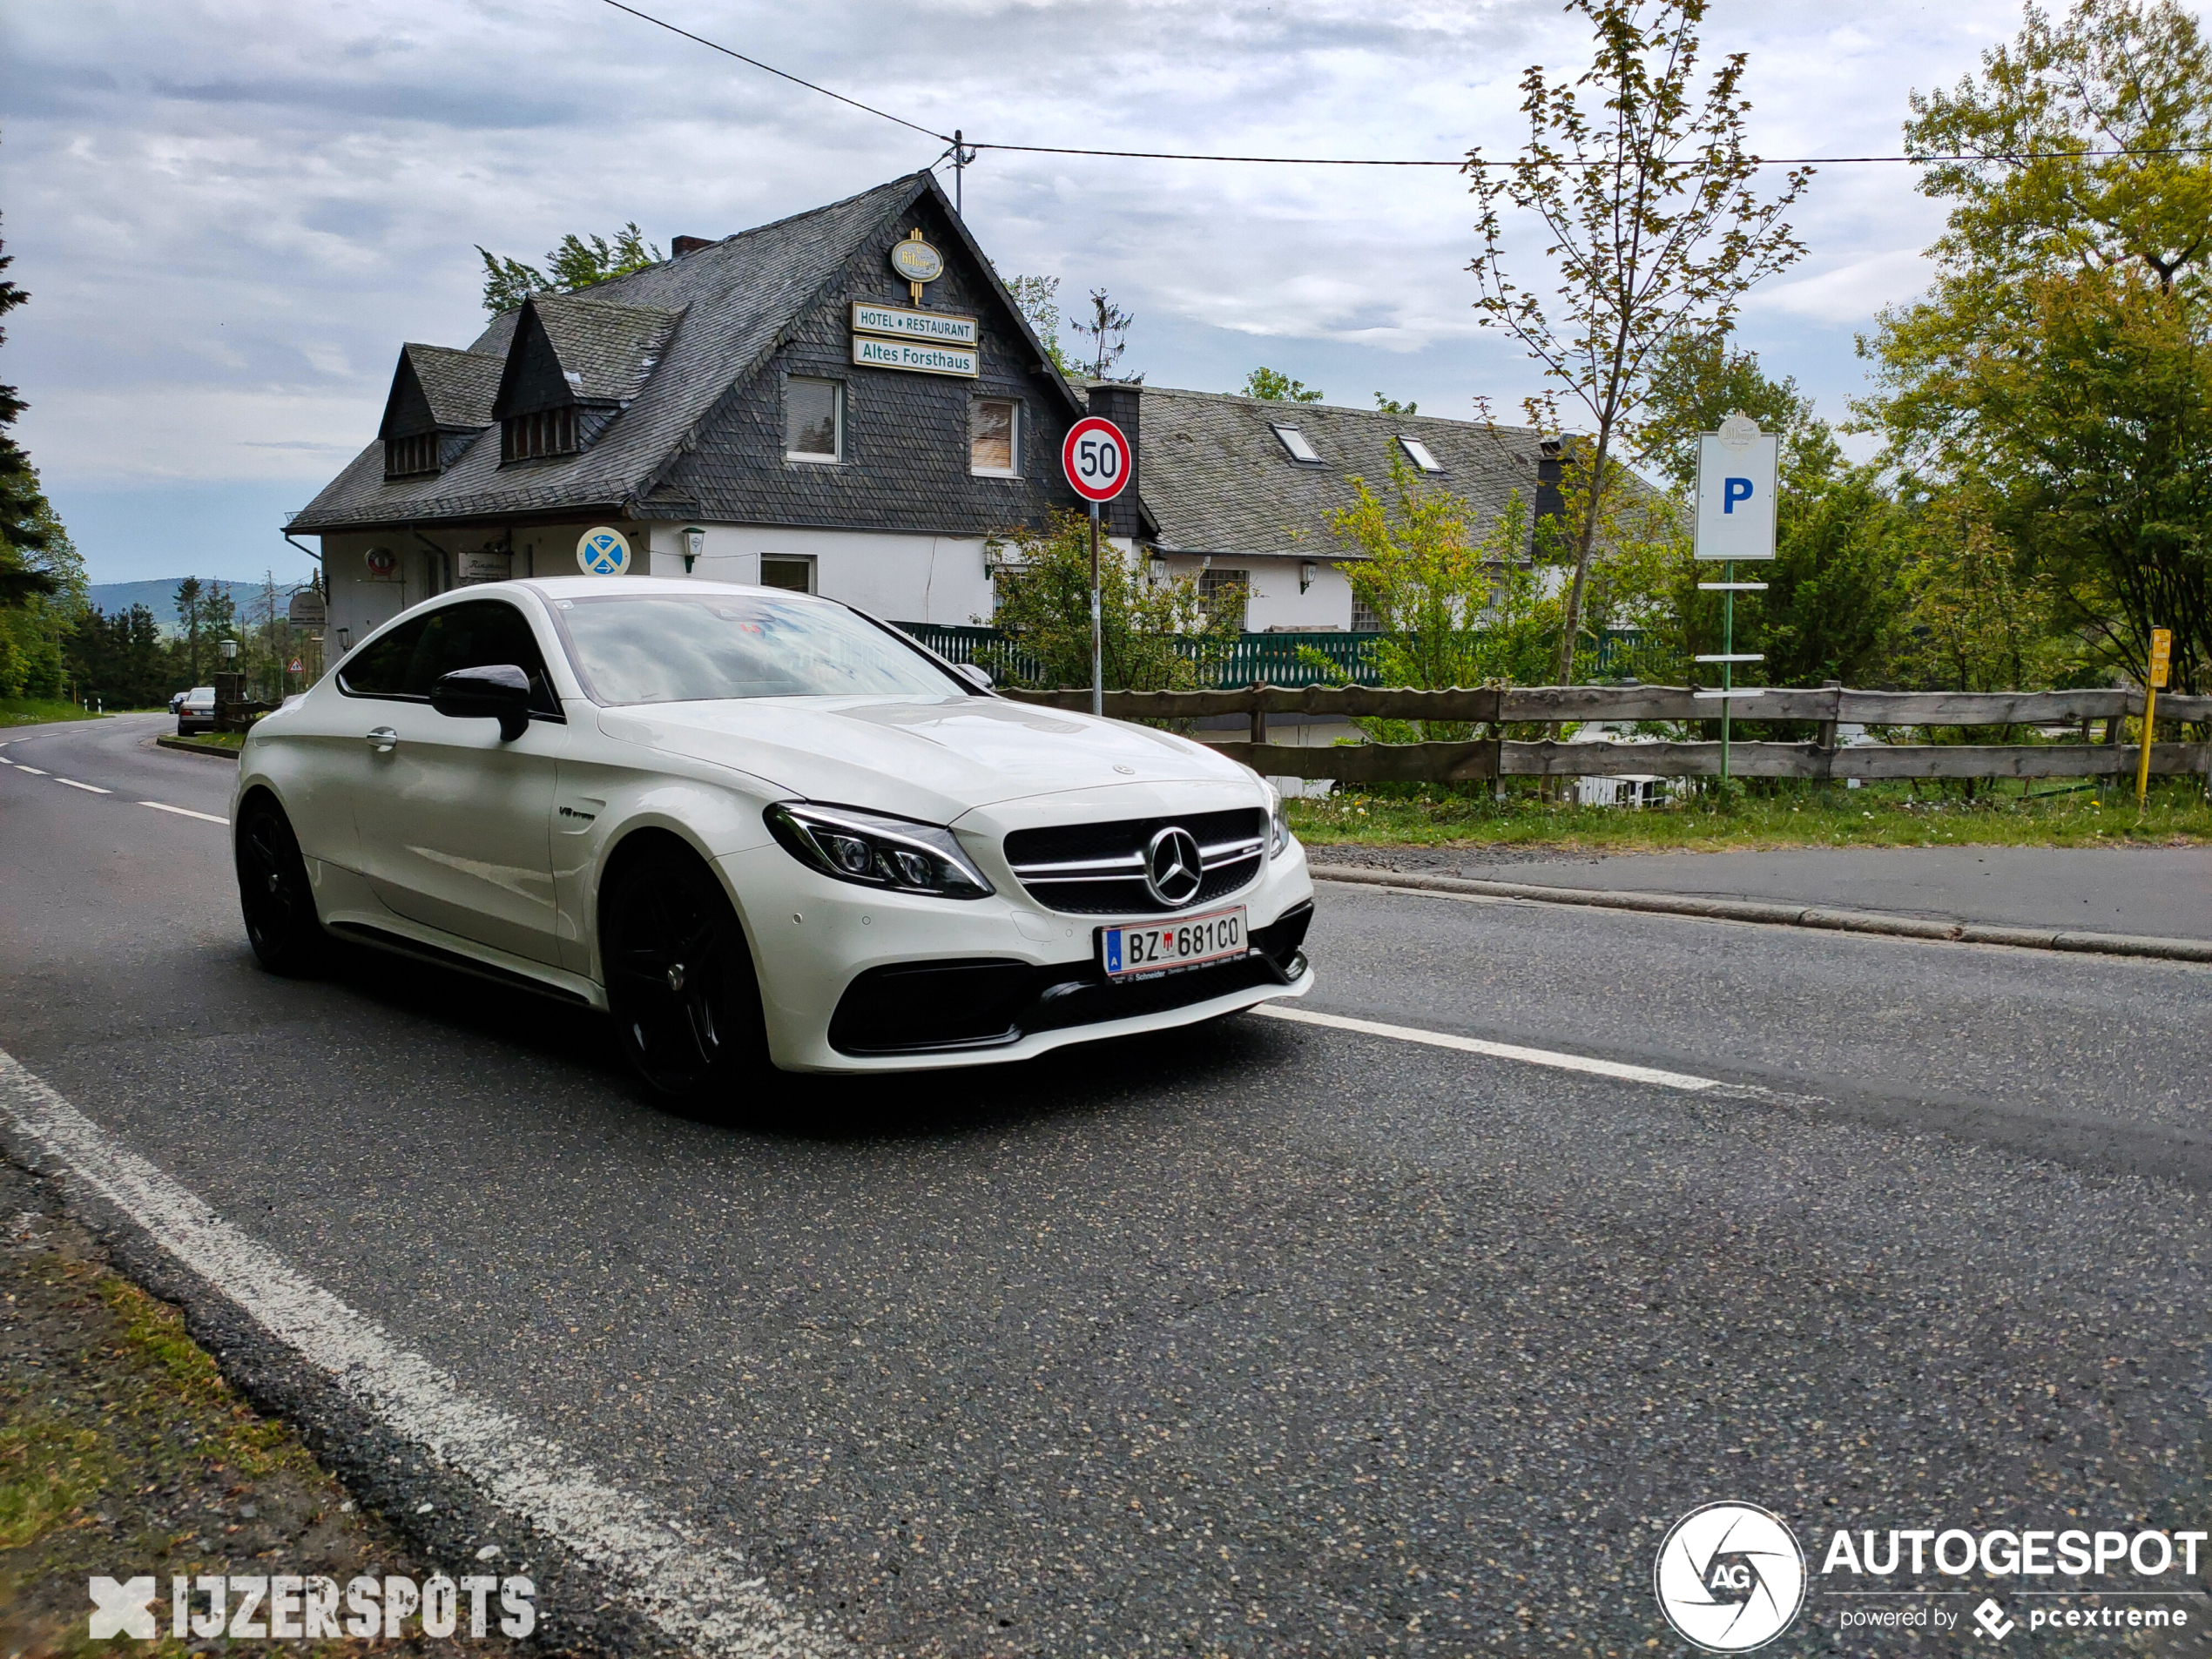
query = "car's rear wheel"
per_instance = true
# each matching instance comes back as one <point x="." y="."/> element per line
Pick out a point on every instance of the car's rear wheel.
<point x="680" y="980"/>
<point x="272" y="892"/>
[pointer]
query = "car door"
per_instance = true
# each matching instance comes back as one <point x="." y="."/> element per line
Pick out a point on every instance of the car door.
<point x="454" y="827"/>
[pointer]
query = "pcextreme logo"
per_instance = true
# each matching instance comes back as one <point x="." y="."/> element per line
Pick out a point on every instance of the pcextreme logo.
<point x="1730" y="1577"/>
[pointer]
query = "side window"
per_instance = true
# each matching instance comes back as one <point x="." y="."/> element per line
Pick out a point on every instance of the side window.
<point x="481" y="634"/>
<point x="381" y="670"/>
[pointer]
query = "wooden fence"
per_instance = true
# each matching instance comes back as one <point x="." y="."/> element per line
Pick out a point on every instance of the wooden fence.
<point x="2074" y="755"/>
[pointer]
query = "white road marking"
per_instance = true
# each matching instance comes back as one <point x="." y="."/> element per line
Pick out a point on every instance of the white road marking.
<point x="1495" y="1050"/>
<point x="184" y="811"/>
<point x="33" y="771"/>
<point x="90" y="789"/>
<point x="705" y="1598"/>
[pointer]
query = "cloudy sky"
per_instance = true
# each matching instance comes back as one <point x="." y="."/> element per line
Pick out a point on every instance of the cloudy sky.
<point x="230" y="214"/>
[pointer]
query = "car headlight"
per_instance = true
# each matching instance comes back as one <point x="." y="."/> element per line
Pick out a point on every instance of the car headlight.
<point x="875" y="851"/>
<point x="1278" y="822"/>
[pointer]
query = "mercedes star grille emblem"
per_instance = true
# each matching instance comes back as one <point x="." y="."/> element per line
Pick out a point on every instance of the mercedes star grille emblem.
<point x="1173" y="867"/>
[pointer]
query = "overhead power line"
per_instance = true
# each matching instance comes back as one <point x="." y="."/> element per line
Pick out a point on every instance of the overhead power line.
<point x="1356" y="161"/>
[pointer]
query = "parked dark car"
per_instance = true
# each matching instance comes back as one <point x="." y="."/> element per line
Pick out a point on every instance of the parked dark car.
<point x="196" y="712"/>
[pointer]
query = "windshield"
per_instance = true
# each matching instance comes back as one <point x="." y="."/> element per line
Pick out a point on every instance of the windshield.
<point x="642" y="648"/>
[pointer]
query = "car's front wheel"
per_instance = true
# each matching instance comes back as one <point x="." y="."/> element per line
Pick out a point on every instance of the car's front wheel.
<point x="272" y="891"/>
<point x="680" y="980"/>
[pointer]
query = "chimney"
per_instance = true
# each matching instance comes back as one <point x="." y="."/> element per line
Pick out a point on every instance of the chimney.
<point x="684" y="245"/>
<point x="1117" y="401"/>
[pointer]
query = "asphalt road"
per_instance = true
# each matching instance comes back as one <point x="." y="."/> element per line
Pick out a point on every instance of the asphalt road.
<point x="1265" y="1339"/>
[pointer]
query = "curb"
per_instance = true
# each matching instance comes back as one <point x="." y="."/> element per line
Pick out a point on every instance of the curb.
<point x="192" y="746"/>
<point x="1786" y="916"/>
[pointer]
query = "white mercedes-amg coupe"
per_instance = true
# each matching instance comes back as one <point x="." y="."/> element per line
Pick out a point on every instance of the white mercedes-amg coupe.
<point x="759" y="827"/>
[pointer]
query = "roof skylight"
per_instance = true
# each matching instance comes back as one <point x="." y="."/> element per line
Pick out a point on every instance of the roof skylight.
<point x="1294" y="441"/>
<point x="1417" y="453"/>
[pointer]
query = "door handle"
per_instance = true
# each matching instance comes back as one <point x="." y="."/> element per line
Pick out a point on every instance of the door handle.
<point x="383" y="739"/>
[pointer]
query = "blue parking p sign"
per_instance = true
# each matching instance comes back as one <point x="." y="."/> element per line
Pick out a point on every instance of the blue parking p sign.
<point x="602" y="552"/>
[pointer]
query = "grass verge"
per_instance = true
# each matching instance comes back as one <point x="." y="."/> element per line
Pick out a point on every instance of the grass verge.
<point x="124" y="1453"/>
<point x="31" y="711"/>
<point x="1831" y="815"/>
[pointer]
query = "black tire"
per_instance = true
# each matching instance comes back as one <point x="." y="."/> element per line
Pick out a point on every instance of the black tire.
<point x="272" y="892"/>
<point x="680" y="982"/>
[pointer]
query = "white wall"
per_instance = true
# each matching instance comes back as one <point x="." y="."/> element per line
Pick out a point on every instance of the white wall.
<point x="898" y="577"/>
<point x="1276" y="601"/>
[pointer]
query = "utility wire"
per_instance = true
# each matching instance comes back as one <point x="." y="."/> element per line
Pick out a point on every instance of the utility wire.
<point x="781" y="74"/>
<point x="1342" y="161"/>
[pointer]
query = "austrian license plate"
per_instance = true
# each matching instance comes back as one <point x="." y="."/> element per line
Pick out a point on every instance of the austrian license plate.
<point x="1160" y="947"/>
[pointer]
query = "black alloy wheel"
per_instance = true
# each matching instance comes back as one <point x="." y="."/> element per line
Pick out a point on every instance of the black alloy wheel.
<point x="272" y="892"/>
<point x="680" y="982"/>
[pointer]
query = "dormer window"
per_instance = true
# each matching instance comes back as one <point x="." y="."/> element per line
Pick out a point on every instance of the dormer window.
<point x="1417" y="453"/>
<point x="542" y="432"/>
<point x="1294" y="443"/>
<point x="411" y="456"/>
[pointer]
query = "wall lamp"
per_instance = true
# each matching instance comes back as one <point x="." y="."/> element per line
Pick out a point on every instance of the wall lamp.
<point x="1305" y="574"/>
<point x="694" y="544"/>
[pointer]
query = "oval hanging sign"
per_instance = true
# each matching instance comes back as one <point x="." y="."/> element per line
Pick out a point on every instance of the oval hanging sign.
<point x="917" y="261"/>
<point x="603" y="551"/>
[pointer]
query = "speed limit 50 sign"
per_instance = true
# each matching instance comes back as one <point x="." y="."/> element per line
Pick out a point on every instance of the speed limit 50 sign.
<point x="1095" y="459"/>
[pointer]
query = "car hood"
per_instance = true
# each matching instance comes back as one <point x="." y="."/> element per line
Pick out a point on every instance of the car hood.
<point x="930" y="758"/>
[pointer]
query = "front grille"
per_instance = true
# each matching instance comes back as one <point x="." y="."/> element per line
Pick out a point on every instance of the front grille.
<point x="922" y="1008"/>
<point x="1098" y="869"/>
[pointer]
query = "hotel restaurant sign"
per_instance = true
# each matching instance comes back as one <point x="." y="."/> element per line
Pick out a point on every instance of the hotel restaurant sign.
<point x="921" y="342"/>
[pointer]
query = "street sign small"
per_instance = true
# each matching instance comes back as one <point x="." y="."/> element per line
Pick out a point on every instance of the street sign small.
<point x="2162" y="656"/>
<point x="296" y="665"/>
<point x="382" y="563"/>
<point x="1096" y="458"/>
<point x="1736" y="473"/>
<point x="601" y="551"/>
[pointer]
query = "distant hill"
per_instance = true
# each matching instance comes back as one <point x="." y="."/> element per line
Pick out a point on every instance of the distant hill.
<point x="112" y="599"/>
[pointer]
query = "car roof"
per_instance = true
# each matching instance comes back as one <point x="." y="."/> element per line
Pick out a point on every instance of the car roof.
<point x="572" y="587"/>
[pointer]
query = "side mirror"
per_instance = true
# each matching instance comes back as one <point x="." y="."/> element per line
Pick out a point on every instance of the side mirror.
<point x="501" y="693"/>
<point x="975" y="674"/>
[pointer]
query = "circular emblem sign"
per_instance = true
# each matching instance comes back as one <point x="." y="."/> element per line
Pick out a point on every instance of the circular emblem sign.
<point x="1095" y="459"/>
<point x="917" y="261"/>
<point x="602" y="552"/>
<point x="381" y="561"/>
<point x="1730" y="1577"/>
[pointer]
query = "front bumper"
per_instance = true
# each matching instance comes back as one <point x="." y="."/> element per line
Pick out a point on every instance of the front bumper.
<point x="854" y="978"/>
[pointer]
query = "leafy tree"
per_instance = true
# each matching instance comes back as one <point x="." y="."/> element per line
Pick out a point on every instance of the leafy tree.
<point x="578" y="263"/>
<point x="1044" y="608"/>
<point x="1648" y="206"/>
<point x="1275" y="386"/>
<point x="1037" y="298"/>
<point x="1108" y="332"/>
<point x="2059" y="373"/>
<point x="1392" y="406"/>
<point x="34" y="628"/>
<point x="118" y="661"/>
<point x="1457" y="608"/>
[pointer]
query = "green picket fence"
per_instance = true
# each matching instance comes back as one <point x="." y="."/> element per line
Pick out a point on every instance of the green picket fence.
<point x="1262" y="660"/>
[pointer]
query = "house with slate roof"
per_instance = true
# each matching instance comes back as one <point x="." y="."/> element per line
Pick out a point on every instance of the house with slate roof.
<point x="818" y="404"/>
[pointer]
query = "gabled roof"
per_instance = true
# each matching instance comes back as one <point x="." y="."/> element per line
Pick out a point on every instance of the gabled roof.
<point x="601" y="351"/>
<point x="1218" y="480"/>
<point x="740" y="299"/>
<point x="437" y="387"/>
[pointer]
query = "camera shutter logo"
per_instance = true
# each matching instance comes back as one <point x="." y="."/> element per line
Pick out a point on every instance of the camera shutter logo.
<point x="1730" y="1577"/>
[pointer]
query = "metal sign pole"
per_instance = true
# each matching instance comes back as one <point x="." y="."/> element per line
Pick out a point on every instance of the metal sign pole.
<point x="1097" y="634"/>
<point x="1728" y="656"/>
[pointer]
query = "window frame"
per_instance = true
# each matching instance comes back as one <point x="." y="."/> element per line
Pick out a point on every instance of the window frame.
<point x="1293" y="440"/>
<point x="813" y="572"/>
<point x="1419" y="453"/>
<point x="1212" y="582"/>
<point x="814" y="458"/>
<point x="558" y="427"/>
<point x="1015" y="423"/>
<point x="416" y="456"/>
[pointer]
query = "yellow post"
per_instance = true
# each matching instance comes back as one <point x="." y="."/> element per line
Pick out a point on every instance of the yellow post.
<point x="2161" y="654"/>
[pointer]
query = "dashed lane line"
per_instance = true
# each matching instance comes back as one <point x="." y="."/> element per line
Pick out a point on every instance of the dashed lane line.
<point x="90" y="789"/>
<point x="1551" y="1057"/>
<point x="709" y="1600"/>
<point x="33" y="771"/>
<point x="184" y="811"/>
